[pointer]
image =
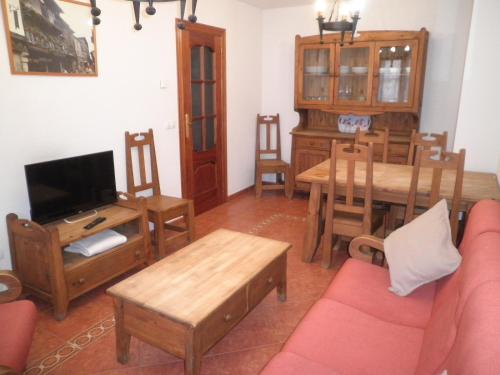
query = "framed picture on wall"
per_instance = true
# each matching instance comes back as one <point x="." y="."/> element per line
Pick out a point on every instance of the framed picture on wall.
<point x="50" y="37"/>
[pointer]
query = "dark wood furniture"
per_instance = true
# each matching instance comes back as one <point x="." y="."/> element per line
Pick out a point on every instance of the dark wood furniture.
<point x="446" y="161"/>
<point x="163" y="211"/>
<point x="268" y="156"/>
<point x="344" y="215"/>
<point x="187" y="302"/>
<point x="58" y="277"/>
<point x="380" y="75"/>
<point x="391" y="184"/>
<point x="379" y="138"/>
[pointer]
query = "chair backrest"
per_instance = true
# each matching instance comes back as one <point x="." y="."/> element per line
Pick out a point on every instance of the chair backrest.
<point x="425" y="141"/>
<point x="143" y="142"/>
<point x="452" y="164"/>
<point x="358" y="159"/>
<point x="268" y="129"/>
<point x="377" y="137"/>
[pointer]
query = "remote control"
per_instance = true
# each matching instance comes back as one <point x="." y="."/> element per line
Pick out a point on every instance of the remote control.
<point x="92" y="224"/>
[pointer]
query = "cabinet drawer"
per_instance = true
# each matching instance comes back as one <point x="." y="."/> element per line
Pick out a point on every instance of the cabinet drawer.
<point x="266" y="281"/>
<point x="94" y="271"/>
<point x="223" y="319"/>
<point x="317" y="143"/>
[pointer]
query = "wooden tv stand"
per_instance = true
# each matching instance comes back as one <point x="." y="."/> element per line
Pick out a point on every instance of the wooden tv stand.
<point x="59" y="277"/>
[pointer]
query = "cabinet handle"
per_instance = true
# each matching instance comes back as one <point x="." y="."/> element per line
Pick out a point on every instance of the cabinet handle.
<point x="81" y="281"/>
<point x="270" y="280"/>
<point x="228" y="317"/>
<point x="187" y="125"/>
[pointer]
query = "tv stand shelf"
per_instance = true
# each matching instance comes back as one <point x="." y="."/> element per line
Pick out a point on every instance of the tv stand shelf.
<point x="59" y="277"/>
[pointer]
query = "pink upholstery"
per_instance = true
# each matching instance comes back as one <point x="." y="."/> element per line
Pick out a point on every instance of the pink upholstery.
<point x="17" y="325"/>
<point x="359" y="327"/>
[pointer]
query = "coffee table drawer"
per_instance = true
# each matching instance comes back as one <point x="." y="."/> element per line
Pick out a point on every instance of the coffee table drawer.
<point x="265" y="281"/>
<point x="223" y="319"/>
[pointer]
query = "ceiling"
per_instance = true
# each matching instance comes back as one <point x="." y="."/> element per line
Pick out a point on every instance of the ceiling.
<point x="268" y="4"/>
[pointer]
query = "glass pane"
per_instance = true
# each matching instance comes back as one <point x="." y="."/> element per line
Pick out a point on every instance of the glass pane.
<point x="209" y="98"/>
<point x="197" y="136"/>
<point x="395" y="70"/>
<point x="316" y="74"/>
<point x="209" y="59"/>
<point x="211" y="132"/>
<point x="353" y="83"/>
<point x="196" y="99"/>
<point x="195" y="63"/>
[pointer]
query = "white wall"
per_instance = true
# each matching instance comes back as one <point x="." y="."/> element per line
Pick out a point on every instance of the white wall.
<point x="43" y="118"/>
<point x="478" y="127"/>
<point x="447" y="21"/>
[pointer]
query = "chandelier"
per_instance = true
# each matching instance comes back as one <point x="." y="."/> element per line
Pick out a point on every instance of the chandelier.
<point x="341" y="10"/>
<point x="150" y="9"/>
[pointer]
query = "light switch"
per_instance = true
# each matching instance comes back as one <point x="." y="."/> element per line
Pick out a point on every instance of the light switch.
<point x="163" y="84"/>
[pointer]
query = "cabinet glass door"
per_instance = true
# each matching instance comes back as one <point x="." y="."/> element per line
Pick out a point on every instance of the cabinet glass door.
<point x="353" y="85"/>
<point x="316" y="76"/>
<point x="396" y="66"/>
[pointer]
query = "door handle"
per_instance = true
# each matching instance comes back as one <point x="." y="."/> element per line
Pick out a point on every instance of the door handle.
<point x="187" y="125"/>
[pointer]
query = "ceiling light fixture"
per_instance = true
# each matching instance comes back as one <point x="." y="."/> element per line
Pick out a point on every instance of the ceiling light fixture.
<point x="342" y="10"/>
<point x="150" y="9"/>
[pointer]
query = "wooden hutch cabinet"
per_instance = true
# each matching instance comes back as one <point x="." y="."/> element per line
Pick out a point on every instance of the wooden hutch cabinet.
<point x="380" y="75"/>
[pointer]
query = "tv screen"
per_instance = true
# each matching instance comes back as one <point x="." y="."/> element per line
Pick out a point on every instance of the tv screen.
<point x="65" y="187"/>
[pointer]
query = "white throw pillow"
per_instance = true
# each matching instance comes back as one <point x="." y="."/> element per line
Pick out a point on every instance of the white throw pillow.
<point x="421" y="251"/>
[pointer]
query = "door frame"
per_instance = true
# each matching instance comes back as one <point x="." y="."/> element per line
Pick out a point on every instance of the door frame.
<point x="186" y="157"/>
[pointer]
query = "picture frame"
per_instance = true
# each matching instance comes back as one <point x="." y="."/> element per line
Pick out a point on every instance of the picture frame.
<point x="50" y="37"/>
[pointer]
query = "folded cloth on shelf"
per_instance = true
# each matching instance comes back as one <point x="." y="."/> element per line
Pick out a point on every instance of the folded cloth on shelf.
<point x="96" y="244"/>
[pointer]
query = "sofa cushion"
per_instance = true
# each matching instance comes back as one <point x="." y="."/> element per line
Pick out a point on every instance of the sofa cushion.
<point x="479" y="267"/>
<point x="365" y="287"/>
<point x="483" y="217"/>
<point x="350" y="341"/>
<point x="421" y="251"/>
<point x="286" y="363"/>
<point x="476" y="349"/>
<point x="17" y="322"/>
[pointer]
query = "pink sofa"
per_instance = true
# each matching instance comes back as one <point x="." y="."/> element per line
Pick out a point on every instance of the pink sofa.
<point x="359" y="327"/>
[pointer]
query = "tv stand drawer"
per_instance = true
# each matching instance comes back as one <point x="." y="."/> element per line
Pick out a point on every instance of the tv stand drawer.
<point x="98" y="269"/>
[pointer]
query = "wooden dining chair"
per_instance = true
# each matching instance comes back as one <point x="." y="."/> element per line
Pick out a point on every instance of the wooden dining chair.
<point x="163" y="211"/>
<point x="444" y="165"/>
<point x="268" y="156"/>
<point x="346" y="216"/>
<point x="425" y="141"/>
<point x="376" y="137"/>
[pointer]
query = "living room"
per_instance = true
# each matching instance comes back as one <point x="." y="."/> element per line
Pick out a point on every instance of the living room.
<point x="46" y="117"/>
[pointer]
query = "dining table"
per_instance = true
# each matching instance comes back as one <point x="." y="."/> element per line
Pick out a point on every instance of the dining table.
<point x="391" y="184"/>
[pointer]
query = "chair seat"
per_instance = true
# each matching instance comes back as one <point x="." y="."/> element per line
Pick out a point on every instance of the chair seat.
<point x="162" y="203"/>
<point x="272" y="163"/>
<point x="355" y="221"/>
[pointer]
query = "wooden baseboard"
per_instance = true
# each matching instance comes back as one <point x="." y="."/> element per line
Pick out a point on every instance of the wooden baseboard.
<point x="241" y="192"/>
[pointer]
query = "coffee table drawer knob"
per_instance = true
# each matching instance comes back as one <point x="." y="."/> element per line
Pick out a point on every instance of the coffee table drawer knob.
<point x="228" y="317"/>
<point x="270" y="280"/>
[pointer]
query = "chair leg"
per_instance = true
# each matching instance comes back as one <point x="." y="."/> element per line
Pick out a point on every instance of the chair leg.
<point x="160" y="237"/>
<point x="258" y="182"/>
<point x="288" y="184"/>
<point x="326" y="258"/>
<point x="189" y="218"/>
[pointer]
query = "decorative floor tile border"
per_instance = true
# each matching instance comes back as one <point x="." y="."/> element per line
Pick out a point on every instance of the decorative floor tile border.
<point x="71" y="348"/>
<point x="272" y="219"/>
<point x="94" y="333"/>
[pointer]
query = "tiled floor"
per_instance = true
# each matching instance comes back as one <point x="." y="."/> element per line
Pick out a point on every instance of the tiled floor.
<point x="84" y="342"/>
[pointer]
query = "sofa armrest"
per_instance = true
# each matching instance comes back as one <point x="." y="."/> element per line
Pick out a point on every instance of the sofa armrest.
<point x="357" y="244"/>
<point x="14" y="286"/>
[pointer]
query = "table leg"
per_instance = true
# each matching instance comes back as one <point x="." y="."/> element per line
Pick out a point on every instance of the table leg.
<point x="192" y="362"/>
<point x="281" y="287"/>
<point x="311" y="238"/>
<point x="122" y="337"/>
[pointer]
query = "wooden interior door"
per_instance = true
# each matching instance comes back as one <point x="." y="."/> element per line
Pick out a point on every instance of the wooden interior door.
<point x="201" y="69"/>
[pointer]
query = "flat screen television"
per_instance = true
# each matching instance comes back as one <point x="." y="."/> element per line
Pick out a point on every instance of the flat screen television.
<point x="65" y="187"/>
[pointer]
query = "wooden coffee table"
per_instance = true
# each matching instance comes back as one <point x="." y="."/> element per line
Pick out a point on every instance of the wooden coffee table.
<point x="188" y="301"/>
